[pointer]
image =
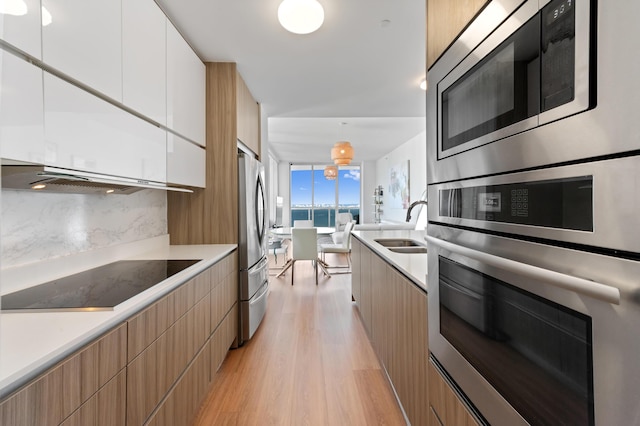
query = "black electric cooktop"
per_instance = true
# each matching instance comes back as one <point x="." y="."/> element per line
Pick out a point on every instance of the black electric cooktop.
<point x="100" y="288"/>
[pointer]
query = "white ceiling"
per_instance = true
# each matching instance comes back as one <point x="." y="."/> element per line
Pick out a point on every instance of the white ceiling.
<point x="355" y="69"/>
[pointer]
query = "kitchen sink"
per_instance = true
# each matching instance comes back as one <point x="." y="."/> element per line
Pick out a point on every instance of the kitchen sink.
<point x="415" y="249"/>
<point x="398" y="242"/>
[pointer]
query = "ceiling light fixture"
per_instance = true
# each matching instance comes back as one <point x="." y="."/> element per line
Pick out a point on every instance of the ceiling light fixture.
<point x="342" y="153"/>
<point x="331" y="172"/>
<point x="423" y="84"/>
<point x="301" y="16"/>
<point x="13" y="7"/>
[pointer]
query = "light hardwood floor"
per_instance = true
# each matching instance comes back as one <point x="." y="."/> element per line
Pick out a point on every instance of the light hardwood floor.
<point x="309" y="363"/>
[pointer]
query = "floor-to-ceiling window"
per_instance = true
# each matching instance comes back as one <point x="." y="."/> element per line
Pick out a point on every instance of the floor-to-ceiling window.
<point x="315" y="197"/>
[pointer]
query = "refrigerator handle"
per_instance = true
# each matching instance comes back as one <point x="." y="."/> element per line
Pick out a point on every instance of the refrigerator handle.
<point x="258" y="267"/>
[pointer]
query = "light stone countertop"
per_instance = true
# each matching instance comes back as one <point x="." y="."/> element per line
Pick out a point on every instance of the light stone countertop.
<point x="30" y="343"/>
<point x="412" y="265"/>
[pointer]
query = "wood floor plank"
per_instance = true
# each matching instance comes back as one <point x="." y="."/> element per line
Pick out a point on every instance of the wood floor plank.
<point x="309" y="363"/>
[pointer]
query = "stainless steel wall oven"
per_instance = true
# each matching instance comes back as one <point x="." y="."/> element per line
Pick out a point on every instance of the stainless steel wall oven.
<point x="533" y="229"/>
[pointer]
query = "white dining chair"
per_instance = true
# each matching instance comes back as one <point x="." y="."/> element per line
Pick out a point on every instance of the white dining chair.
<point x="303" y="223"/>
<point x="304" y="243"/>
<point x="341" y="221"/>
<point x="343" y="247"/>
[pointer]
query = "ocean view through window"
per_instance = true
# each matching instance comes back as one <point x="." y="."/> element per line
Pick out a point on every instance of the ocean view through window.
<point x="319" y="199"/>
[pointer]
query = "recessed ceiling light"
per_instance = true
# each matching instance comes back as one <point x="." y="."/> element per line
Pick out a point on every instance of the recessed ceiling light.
<point x="385" y="23"/>
<point x="13" y="7"/>
<point x="301" y="16"/>
<point x="39" y="186"/>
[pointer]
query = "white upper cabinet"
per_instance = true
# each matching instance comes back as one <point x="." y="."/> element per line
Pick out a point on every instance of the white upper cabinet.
<point x="144" y="59"/>
<point x="186" y="162"/>
<point x="185" y="88"/>
<point x="21" y="110"/>
<point x="20" y="24"/>
<point x="84" y="41"/>
<point x="83" y="132"/>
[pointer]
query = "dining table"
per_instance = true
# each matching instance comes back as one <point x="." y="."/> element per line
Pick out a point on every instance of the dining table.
<point x="285" y="232"/>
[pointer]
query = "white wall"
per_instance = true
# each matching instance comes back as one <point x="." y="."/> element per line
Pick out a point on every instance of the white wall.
<point x="414" y="150"/>
<point x="43" y="226"/>
<point x="284" y="177"/>
<point x="368" y="183"/>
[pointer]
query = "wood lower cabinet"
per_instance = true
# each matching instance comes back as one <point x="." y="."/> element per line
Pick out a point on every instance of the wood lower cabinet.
<point x="152" y="373"/>
<point x="394" y="312"/>
<point x="105" y="408"/>
<point x="446" y="407"/>
<point x="156" y="368"/>
<point x="356" y="261"/>
<point x="59" y="392"/>
<point x="184" y="324"/>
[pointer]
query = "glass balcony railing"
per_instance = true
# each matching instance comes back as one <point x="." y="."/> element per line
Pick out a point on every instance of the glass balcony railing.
<point x="322" y="217"/>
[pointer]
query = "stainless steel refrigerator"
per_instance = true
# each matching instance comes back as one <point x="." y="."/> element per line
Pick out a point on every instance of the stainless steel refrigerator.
<point x="252" y="245"/>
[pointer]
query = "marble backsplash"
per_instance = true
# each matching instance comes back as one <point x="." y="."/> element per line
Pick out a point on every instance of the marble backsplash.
<point x="43" y="226"/>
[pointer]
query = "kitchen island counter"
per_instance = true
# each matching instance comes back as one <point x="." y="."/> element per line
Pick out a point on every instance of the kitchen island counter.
<point x="30" y="343"/>
<point x="411" y="265"/>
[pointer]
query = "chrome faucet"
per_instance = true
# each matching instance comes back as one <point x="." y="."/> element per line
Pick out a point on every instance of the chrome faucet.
<point x="415" y="203"/>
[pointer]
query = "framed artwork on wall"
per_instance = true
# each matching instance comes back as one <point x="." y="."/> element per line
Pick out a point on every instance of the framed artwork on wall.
<point x="399" y="185"/>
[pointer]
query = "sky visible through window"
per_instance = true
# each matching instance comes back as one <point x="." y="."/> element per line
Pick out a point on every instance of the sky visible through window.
<point x="301" y="188"/>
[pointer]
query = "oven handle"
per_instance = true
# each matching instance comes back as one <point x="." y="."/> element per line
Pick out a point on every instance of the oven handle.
<point x="579" y="285"/>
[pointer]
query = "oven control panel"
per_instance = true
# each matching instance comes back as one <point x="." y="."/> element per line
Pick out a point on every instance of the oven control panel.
<point x="559" y="203"/>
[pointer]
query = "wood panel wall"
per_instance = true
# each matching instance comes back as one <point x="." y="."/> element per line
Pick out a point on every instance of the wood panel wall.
<point x="445" y="20"/>
<point x="210" y="215"/>
<point x="248" y="117"/>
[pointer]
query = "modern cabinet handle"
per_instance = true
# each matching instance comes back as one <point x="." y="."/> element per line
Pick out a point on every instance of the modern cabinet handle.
<point x="593" y="289"/>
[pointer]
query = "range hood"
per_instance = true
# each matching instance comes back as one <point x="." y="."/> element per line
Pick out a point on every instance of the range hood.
<point x="51" y="179"/>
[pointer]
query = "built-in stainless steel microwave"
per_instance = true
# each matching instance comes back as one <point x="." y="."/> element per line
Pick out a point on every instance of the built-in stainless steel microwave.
<point x="532" y="70"/>
<point x="545" y="83"/>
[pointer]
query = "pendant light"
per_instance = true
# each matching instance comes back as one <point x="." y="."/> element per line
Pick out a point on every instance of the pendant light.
<point x="300" y="16"/>
<point x="331" y="172"/>
<point x="342" y="153"/>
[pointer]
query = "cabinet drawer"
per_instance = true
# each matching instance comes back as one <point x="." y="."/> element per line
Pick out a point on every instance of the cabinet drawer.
<point x="105" y="408"/>
<point x="222" y="339"/>
<point x="223" y="297"/>
<point x="445" y="403"/>
<point x="59" y="392"/>
<point x="183" y="401"/>
<point x="152" y="373"/>
<point x="146" y="326"/>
